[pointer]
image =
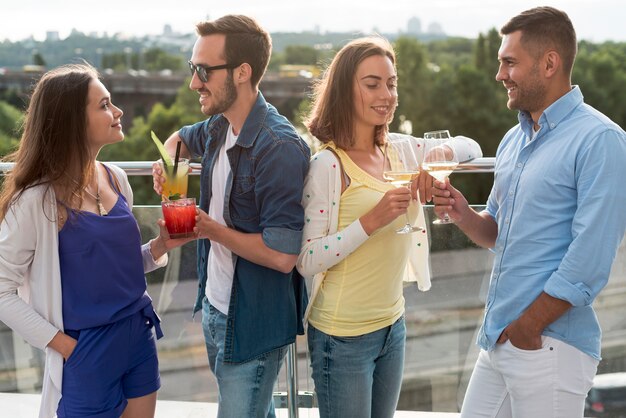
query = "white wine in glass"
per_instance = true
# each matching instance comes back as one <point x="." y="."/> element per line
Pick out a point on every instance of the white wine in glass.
<point x="440" y="169"/>
<point x="440" y="161"/>
<point x="401" y="167"/>
<point x="400" y="178"/>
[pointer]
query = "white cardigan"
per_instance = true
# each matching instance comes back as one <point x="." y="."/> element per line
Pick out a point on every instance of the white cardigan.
<point x="323" y="246"/>
<point x="30" y="278"/>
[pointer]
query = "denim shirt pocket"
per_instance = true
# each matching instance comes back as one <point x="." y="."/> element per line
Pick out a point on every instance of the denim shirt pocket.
<point x="242" y="200"/>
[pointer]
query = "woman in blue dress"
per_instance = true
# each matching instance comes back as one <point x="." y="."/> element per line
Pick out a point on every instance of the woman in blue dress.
<point x="71" y="261"/>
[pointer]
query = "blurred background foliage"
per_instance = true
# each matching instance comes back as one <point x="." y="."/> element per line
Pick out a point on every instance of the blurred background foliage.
<point x="442" y="84"/>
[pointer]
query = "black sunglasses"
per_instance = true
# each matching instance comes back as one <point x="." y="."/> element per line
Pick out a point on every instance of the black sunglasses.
<point x="204" y="70"/>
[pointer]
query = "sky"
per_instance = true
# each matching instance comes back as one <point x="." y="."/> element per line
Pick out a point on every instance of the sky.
<point x="595" y="21"/>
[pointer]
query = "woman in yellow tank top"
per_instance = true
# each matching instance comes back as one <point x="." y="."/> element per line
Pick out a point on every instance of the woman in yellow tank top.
<point x="356" y="331"/>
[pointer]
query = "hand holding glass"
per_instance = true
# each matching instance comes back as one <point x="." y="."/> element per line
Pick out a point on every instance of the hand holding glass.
<point x="180" y="217"/>
<point x="401" y="167"/>
<point x="440" y="161"/>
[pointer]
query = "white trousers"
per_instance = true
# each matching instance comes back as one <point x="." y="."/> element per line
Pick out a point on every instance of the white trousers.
<point x="509" y="382"/>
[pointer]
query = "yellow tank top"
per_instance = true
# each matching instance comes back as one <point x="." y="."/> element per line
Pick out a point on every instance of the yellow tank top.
<point x="363" y="293"/>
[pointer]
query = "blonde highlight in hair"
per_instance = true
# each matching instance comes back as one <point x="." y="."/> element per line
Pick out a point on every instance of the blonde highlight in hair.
<point x="332" y="114"/>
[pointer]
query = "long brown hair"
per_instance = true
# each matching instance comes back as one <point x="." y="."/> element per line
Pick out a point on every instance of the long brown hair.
<point x="332" y="114"/>
<point x="53" y="149"/>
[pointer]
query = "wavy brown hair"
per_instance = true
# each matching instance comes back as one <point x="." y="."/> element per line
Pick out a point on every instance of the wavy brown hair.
<point x="332" y="113"/>
<point x="53" y="149"/>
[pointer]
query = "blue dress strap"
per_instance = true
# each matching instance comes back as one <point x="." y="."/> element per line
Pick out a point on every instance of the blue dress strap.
<point x="113" y="181"/>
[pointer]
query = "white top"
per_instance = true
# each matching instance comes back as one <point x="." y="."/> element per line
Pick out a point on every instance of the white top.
<point x="322" y="188"/>
<point x="30" y="278"/>
<point x="220" y="267"/>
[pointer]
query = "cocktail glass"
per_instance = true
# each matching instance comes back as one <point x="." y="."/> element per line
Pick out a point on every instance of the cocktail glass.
<point x="175" y="186"/>
<point x="180" y="217"/>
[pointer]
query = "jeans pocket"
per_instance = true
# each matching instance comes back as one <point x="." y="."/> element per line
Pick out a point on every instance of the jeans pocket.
<point x="545" y="346"/>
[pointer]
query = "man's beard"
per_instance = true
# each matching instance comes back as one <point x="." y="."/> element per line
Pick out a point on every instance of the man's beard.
<point x="226" y="101"/>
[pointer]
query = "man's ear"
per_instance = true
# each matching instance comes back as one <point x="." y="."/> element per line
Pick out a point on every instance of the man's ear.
<point x="243" y="73"/>
<point x="552" y="63"/>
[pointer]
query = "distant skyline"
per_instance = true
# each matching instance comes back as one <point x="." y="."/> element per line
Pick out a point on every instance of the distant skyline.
<point x="596" y="21"/>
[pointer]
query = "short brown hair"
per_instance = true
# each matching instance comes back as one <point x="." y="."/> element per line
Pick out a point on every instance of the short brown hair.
<point x="332" y="114"/>
<point x="543" y="28"/>
<point x="246" y="42"/>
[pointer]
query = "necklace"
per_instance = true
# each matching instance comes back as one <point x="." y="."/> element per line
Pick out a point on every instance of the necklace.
<point x="101" y="210"/>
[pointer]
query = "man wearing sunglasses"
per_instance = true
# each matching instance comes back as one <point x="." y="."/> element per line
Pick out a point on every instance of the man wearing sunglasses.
<point x="251" y="218"/>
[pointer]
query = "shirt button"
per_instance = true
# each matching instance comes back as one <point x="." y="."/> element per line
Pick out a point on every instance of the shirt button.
<point x="511" y="193"/>
<point x="552" y="125"/>
<point x="506" y="221"/>
<point x="519" y="165"/>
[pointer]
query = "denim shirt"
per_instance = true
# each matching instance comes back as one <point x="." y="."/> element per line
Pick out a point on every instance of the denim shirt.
<point x="559" y="202"/>
<point x="263" y="195"/>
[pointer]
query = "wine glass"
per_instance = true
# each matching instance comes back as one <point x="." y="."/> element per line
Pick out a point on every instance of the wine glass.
<point x="439" y="161"/>
<point x="401" y="166"/>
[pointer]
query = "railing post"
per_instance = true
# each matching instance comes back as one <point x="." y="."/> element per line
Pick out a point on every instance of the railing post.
<point x="292" y="381"/>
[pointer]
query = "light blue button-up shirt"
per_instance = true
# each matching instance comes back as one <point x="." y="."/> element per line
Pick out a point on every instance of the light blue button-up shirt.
<point x="560" y="204"/>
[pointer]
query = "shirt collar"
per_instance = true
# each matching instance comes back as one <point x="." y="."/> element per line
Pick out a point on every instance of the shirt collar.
<point x="254" y="122"/>
<point x="251" y="126"/>
<point x="554" y="114"/>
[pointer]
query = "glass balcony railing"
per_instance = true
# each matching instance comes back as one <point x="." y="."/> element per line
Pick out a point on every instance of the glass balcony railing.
<point x="441" y="325"/>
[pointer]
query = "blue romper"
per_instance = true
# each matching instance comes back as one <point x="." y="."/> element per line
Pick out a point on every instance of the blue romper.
<point x="107" y="309"/>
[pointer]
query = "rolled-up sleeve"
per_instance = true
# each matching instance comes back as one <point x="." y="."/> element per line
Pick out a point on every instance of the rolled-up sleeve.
<point x="280" y="174"/>
<point x="282" y="239"/>
<point x="599" y="223"/>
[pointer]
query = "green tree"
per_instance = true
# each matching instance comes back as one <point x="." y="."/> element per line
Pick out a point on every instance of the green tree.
<point x="38" y="59"/>
<point x="301" y="54"/>
<point x="450" y="51"/>
<point x="138" y="146"/>
<point x="153" y="59"/>
<point x="413" y="82"/>
<point x="156" y="59"/>
<point x="480" y="51"/>
<point x="10" y="121"/>
<point x="486" y="52"/>
<point x="476" y="108"/>
<point x="600" y="70"/>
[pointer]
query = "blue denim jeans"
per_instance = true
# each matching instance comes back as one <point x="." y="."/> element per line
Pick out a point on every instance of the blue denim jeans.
<point x="245" y="389"/>
<point x="358" y="376"/>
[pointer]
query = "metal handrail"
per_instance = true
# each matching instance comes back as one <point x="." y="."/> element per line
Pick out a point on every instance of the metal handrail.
<point x="144" y="168"/>
<point x="132" y="168"/>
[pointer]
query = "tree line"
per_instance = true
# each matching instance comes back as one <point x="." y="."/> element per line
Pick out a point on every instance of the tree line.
<point x="442" y="84"/>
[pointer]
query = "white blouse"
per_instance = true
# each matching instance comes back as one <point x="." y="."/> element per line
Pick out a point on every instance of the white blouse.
<point x="321" y="197"/>
<point x="30" y="278"/>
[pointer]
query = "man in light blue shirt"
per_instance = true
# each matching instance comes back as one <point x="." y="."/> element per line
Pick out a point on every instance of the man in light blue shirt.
<point x="555" y="218"/>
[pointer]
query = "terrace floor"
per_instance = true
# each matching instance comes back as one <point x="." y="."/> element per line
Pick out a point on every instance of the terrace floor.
<point x="16" y="405"/>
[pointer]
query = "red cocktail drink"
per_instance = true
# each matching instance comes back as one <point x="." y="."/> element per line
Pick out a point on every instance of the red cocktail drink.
<point x="180" y="217"/>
